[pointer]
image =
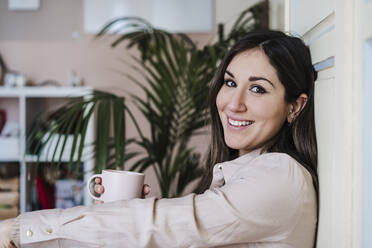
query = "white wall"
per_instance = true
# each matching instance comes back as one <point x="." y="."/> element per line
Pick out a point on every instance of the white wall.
<point x="338" y="32"/>
<point x="48" y="43"/>
<point x="228" y="11"/>
<point x="277" y="14"/>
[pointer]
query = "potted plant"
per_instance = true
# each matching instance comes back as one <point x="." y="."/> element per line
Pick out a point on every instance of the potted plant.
<point x="176" y="76"/>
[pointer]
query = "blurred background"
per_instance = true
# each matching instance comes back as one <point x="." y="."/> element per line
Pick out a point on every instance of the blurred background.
<point x="49" y="55"/>
<point x="52" y="43"/>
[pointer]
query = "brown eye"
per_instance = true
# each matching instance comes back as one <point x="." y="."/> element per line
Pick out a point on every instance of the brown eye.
<point x="258" y="90"/>
<point x="230" y="83"/>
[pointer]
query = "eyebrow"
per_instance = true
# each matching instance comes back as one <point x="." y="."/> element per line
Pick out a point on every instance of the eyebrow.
<point x="252" y="78"/>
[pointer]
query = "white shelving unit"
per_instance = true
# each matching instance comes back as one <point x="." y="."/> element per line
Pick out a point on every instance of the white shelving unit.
<point x="25" y="100"/>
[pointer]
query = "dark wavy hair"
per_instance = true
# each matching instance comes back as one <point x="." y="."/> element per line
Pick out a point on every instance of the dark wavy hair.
<point x="292" y="60"/>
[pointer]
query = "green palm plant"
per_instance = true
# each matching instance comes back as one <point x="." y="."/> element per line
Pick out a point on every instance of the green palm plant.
<point x="176" y="75"/>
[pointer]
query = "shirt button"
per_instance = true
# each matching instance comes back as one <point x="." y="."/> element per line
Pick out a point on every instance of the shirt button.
<point x="29" y="233"/>
<point x="220" y="166"/>
<point x="49" y="230"/>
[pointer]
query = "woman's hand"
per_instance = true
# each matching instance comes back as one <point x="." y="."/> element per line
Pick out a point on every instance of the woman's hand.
<point x="6" y="231"/>
<point x="99" y="189"/>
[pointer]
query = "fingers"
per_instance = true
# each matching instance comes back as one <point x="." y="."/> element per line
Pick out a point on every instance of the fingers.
<point x="97" y="180"/>
<point x="99" y="189"/>
<point x="146" y="189"/>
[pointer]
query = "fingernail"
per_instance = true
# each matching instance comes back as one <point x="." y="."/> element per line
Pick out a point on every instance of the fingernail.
<point x="98" y="188"/>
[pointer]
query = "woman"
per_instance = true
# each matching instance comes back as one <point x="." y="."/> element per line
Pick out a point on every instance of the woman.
<point x="262" y="176"/>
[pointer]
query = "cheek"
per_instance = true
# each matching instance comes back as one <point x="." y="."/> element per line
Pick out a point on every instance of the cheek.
<point x="220" y="100"/>
<point x="272" y="111"/>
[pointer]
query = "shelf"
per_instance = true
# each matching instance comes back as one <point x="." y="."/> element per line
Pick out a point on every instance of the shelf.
<point x="47" y="91"/>
<point x="9" y="149"/>
<point x="8" y="92"/>
<point x="9" y="158"/>
<point x="23" y="105"/>
<point x="43" y="159"/>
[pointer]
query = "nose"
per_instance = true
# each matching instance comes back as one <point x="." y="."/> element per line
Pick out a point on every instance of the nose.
<point x="237" y="101"/>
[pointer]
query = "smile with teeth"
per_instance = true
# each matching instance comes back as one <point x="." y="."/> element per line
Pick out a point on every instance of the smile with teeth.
<point x="239" y="123"/>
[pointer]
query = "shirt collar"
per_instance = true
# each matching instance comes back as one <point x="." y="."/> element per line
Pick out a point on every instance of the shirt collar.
<point x="222" y="172"/>
<point x="247" y="157"/>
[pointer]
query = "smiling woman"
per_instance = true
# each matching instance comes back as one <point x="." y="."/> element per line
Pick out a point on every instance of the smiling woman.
<point x="251" y="102"/>
<point x="261" y="186"/>
<point x="266" y="73"/>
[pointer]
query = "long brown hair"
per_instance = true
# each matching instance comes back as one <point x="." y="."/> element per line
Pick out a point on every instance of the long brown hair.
<point x="292" y="60"/>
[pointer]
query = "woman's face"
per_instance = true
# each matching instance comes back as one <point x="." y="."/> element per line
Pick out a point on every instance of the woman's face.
<point x="251" y="102"/>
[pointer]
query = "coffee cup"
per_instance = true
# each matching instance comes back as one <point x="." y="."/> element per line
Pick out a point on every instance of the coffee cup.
<point x="119" y="185"/>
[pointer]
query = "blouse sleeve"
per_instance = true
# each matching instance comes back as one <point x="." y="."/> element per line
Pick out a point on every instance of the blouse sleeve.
<point x="259" y="204"/>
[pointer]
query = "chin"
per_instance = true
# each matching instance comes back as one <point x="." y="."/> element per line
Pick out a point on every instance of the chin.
<point x="234" y="145"/>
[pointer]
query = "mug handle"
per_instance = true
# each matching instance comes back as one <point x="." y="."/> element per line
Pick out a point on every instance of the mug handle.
<point x="88" y="188"/>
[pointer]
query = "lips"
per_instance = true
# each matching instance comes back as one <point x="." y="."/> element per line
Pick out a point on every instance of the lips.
<point x="239" y="123"/>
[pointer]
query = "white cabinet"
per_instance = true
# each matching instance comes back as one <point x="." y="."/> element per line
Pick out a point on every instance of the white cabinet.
<point x="191" y="16"/>
<point x="23" y="105"/>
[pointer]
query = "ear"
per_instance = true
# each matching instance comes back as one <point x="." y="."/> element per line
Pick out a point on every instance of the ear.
<point x="296" y="107"/>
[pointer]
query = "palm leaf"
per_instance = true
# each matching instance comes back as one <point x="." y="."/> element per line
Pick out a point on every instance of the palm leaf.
<point x="175" y="77"/>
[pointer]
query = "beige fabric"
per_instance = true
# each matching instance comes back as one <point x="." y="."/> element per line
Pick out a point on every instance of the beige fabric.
<point x="9" y="231"/>
<point x="255" y="200"/>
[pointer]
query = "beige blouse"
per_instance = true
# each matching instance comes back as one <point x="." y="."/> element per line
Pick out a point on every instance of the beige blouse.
<point x="255" y="200"/>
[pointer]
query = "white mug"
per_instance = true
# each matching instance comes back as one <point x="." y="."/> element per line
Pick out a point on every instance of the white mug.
<point x="119" y="185"/>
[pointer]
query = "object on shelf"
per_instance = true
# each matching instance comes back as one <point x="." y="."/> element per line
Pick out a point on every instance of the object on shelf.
<point x="56" y="186"/>
<point x="7" y="212"/>
<point x="9" y="147"/>
<point x="45" y="192"/>
<point x="9" y="139"/>
<point x="9" y="170"/>
<point x="14" y="79"/>
<point x="2" y="119"/>
<point x="9" y="184"/>
<point x="69" y="193"/>
<point x="11" y="129"/>
<point x="10" y="198"/>
<point x="74" y="80"/>
<point x="9" y="190"/>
